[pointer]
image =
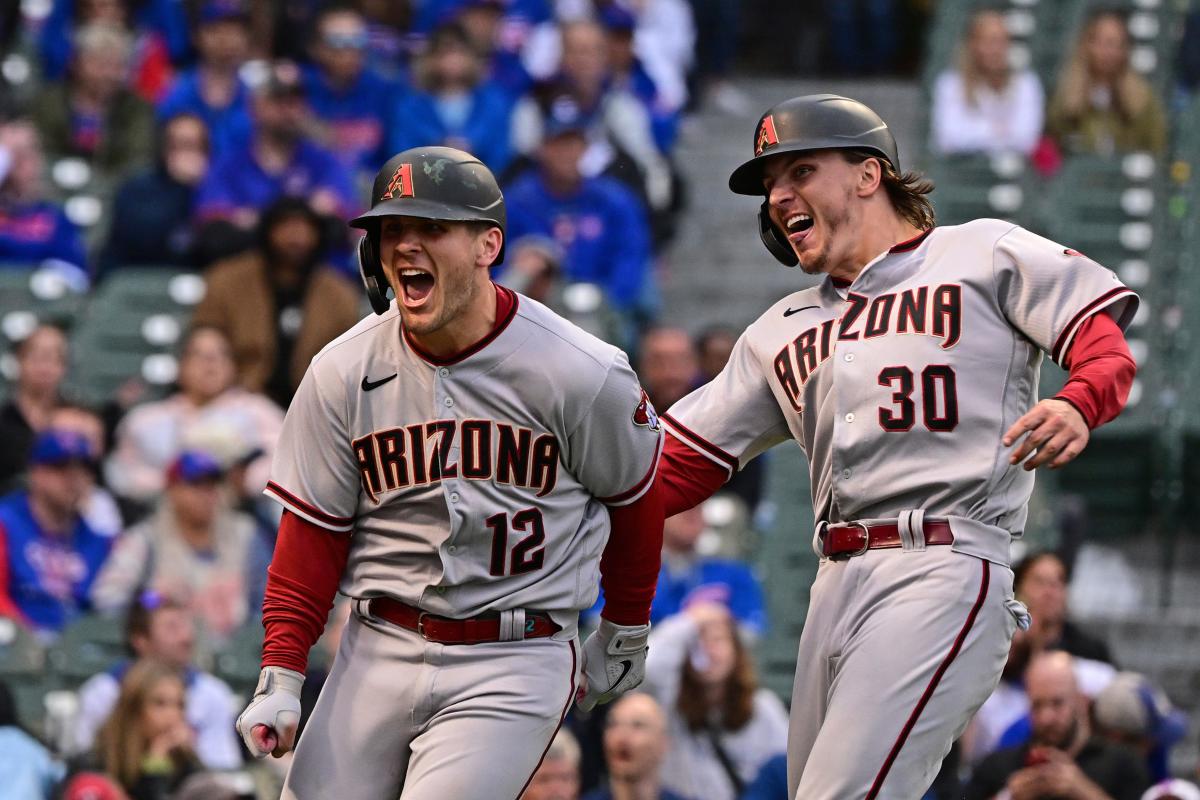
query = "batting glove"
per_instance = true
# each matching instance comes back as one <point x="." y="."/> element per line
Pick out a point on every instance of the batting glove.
<point x="268" y="725"/>
<point x="614" y="661"/>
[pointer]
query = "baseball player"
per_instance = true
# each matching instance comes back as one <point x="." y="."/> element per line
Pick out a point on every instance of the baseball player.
<point x="464" y="465"/>
<point x="909" y="377"/>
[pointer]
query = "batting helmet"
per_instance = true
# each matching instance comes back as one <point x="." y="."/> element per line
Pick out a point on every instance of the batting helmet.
<point x="810" y="122"/>
<point x="439" y="183"/>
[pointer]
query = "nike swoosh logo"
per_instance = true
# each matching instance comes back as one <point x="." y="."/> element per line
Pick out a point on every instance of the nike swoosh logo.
<point x="791" y="311"/>
<point x="368" y="385"/>
<point x="626" y="665"/>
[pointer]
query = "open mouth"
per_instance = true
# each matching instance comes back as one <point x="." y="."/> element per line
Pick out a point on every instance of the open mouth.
<point x="798" y="227"/>
<point x="416" y="286"/>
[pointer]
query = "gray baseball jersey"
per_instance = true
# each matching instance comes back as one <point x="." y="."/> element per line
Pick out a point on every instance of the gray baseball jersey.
<point x="899" y="386"/>
<point x="475" y="485"/>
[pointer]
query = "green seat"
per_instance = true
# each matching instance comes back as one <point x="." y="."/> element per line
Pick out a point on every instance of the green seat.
<point x="238" y="663"/>
<point x="1117" y="478"/>
<point x="23" y="671"/>
<point x="89" y="645"/>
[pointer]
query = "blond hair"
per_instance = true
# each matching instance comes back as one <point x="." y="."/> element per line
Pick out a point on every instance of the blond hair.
<point x="122" y="742"/>
<point x="972" y="78"/>
<point x="1131" y="94"/>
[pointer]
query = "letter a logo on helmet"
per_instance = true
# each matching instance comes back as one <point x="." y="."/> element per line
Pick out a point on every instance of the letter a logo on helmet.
<point x="767" y="137"/>
<point x="401" y="182"/>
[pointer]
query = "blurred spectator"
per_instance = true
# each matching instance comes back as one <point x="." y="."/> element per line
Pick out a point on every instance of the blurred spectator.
<point x="33" y="229"/>
<point x="41" y="366"/>
<point x="159" y="234"/>
<point x="635" y="744"/>
<point x="208" y="410"/>
<point x="1063" y="758"/>
<point x="99" y="508"/>
<point x="91" y="786"/>
<point x="158" y="627"/>
<point x="30" y="770"/>
<point x="213" y="89"/>
<point x="557" y="777"/>
<point x="280" y="160"/>
<point x="1101" y="105"/>
<point x="862" y="36"/>
<point x="146" y="744"/>
<point x="91" y="114"/>
<point x="158" y="29"/>
<point x="351" y="99"/>
<point x="49" y="555"/>
<point x="723" y="726"/>
<point x="452" y="104"/>
<point x="277" y="304"/>
<point x="716" y="38"/>
<point x="1133" y="712"/>
<point x="667" y="365"/>
<point x="620" y="140"/>
<point x="713" y="348"/>
<point x="663" y="93"/>
<point x="985" y="106"/>
<point x="771" y="781"/>
<point x="193" y="546"/>
<point x="1172" y="789"/>
<point x="688" y="577"/>
<point x="500" y="30"/>
<point x="387" y="24"/>
<point x="1189" y="51"/>
<point x="599" y="224"/>
<point x="1040" y="582"/>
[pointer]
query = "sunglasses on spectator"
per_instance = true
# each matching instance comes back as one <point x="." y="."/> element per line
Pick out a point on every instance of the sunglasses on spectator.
<point x="345" y="41"/>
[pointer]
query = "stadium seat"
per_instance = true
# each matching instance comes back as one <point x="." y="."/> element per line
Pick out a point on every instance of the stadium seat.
<point x="23" y="670"/>
<point x="238" y="662"/>
<point x="89" y="645"/>
<point x="131" y="328"/>
<point x="1118" y="476"/>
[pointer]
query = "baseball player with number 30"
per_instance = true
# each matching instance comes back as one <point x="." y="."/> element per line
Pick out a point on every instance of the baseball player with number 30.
<point x="465" y="465"/>
<point x="909" y="377"/>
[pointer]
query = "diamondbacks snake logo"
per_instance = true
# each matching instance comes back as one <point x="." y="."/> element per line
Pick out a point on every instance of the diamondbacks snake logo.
<point x="436" y="170"/>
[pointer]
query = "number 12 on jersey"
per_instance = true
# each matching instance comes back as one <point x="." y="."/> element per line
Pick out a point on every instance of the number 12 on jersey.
<point x="940" y="414"/>
<point x="529" y="553"/>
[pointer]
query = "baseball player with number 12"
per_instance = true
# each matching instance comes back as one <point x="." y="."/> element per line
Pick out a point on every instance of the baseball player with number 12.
<point x="465" y="465"/>
<point x="909" y="378"/>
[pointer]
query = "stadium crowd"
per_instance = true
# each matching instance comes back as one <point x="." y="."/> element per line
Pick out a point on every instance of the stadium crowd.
<point x="234" y="139"/>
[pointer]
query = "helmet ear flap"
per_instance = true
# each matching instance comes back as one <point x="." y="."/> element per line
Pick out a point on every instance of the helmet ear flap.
<point x="774" y="240"/>
<point x="371" y="269"/>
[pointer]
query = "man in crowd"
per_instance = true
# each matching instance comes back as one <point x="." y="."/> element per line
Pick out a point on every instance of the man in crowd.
<point x="1062" y="759"/>
<point x="557" y="777"/>
<point x="635" y="744"/>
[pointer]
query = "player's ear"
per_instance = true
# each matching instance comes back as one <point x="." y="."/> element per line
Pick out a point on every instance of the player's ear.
<point x="488" y="245"/>
<point x="870" y="176"/>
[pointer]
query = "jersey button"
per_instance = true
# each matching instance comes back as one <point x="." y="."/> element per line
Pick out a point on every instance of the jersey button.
<point x="850" y="417"/>
<point x="845" y="473"/>
<point x="443" y="372"/>
<point x="449" y="401"/>
<point x="451" y="549"/>
<point x="454" y="497"/>
<point x="849" y="357"/>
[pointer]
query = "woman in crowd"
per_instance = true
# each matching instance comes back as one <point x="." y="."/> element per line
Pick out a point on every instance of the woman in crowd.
<point x="41" y="366"/>
<point x="723" y="726"/>
<point x="1101" y="105"/>
<point x="984" y="105"/>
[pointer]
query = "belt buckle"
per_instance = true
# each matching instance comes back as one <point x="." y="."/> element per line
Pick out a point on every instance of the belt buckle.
<point x="421" y="625"/>
<point x="860" y="551"/>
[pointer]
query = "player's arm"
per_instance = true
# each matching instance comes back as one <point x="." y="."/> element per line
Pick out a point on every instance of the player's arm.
<point x="301" y="584"/>
<point x="1101" y="375"/>
<point x="686" y="477"/>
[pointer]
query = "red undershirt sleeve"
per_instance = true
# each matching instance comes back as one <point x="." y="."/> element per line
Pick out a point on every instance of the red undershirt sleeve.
<point x="630" y="563"/>
<point x="1101" y="371"/>
<point x="8" y="608"/>
<point x="301" y="584"/>
<point x="687" y="478"/>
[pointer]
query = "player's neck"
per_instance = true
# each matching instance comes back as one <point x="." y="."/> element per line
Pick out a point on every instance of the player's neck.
<point x="882" y="231"/>
<point x="476" y="322"/>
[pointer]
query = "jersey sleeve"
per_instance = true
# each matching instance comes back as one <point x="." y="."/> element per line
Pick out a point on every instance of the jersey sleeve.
<point x="614" y="449"/>
<point x="313" y="473"/>
<point x="1047" y="290"/>
<point x="732" y="418"/>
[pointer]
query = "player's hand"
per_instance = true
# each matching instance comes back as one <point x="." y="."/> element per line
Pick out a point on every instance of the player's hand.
<point x="268" y="725"/>
<point x="614" y="661"/>
<point x="1054" y="429"/>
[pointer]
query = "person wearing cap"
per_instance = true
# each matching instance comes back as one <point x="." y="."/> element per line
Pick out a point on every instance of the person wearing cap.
<point x="212" y="89"/>
<point x="281" y="159"/>
<point x="49" y="555"/>
<point x="1063" y="759"/>
<point x="502" y="31"/>
<point x="598" y="222"/>
<point x="345" y="91"/>
<point x="193" y="546"/>
<point x="1132" y="711"/>
<point x="161" y="627"/>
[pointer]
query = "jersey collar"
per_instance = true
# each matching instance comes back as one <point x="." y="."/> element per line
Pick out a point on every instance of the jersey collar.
<point x="506" y="309"/>
<point x="841" y="286"/>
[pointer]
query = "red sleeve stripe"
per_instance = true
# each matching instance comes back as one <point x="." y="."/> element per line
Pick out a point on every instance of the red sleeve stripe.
<point x="700" y="444"/>
<point x="638" y="489"/>
<point x="1068" y="334"/>
<point x="308" y="512"/>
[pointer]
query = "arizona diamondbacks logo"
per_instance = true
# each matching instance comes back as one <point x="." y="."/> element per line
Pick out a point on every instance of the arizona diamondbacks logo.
<point x="644" y="415"/>
<point x="436" y="169"/>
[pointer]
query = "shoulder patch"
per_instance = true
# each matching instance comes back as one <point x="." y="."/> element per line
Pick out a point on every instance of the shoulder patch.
<point x="644" y="415"/>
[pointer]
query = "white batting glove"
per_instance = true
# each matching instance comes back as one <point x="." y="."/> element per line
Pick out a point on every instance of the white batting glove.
<point x="614" y="661"/>
<point x="268" y="725"/>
